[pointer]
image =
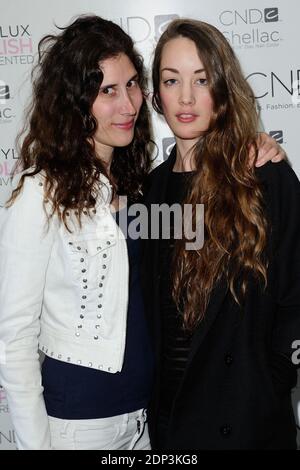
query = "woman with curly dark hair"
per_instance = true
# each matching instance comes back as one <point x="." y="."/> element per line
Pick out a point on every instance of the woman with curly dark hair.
<point x="225" y="316"/>
<point x="64" y="258"/>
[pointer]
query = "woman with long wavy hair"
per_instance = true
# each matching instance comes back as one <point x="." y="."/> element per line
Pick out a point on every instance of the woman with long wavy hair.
<point x="224" y="317"/>
<point x="65" y="260"/>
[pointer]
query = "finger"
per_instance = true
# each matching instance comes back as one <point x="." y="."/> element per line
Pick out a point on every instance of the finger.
<point x="268" y="155"/>
<point x="279" y="157"/>
<point x="264" y="149"/>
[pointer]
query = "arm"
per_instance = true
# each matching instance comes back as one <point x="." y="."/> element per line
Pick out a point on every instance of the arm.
<point x="25" y="246"/>
<point x="286" y="193"/>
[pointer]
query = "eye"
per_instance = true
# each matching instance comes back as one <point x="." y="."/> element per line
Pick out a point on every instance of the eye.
<point x="108" y="90"/>
<point x="132" y="83"/>
<point x="202" y="81"/>
<point x="170" y="82"/>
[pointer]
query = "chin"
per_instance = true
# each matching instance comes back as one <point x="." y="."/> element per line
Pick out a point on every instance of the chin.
<point x="188" y="134"/>
<point x="123" y="142"/>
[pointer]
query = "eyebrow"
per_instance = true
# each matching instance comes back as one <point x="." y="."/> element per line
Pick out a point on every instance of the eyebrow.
<point x="177" y="71"/>
<point x="134" y="77"/>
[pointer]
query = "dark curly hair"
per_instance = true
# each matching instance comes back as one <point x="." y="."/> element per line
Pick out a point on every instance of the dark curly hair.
<point x="60" y="124"/>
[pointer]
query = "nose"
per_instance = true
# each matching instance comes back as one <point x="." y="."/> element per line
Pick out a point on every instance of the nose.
<point x="186" y="96"/>
<point x="127" y="106"/>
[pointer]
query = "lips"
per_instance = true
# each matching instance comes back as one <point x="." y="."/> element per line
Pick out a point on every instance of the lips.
<point x="186" y="117"/>
<point x="126" y="126"/>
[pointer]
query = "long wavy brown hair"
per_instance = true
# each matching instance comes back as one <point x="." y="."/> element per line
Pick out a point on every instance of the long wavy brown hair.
<point x="57" y="138"/>
<point x="234" y="221"/>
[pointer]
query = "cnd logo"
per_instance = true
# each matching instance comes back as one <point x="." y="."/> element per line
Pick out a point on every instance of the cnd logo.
<point x="277" y="135"/>
<point x="271" y="15"/>
<point x="4" y="92"/>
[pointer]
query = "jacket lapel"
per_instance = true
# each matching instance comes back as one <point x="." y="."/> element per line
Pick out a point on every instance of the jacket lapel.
<point x="216" y="300"/>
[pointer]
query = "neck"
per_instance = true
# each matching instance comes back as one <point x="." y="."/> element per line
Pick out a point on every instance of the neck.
<point x="184" y="156"/>
<point x="105" y="154"/>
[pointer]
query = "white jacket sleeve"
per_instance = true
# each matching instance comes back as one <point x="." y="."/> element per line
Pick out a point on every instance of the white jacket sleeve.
<point x="25" y="247"/>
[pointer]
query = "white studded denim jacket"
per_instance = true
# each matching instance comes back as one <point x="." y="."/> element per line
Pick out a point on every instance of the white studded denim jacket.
<point x="65" y="293"/>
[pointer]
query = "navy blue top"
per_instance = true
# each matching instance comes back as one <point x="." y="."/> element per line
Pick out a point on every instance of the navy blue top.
<point x="77" y="392"/>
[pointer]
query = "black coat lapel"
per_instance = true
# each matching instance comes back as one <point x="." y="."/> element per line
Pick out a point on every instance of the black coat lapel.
<point x="217" y="298"/>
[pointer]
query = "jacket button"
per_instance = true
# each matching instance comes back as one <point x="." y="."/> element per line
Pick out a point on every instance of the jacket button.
<point x="228" y="359"/>
<point x="226" y="430"/>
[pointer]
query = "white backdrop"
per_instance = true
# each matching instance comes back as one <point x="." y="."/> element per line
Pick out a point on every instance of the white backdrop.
<point x="263" y="33"/>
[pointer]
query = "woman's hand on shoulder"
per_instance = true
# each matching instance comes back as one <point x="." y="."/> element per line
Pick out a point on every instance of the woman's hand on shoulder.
<point x="268" y="150"/>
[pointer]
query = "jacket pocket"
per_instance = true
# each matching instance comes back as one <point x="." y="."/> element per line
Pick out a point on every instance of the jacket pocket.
<point x="91" y="260"/>
<point x="91" y="244"/>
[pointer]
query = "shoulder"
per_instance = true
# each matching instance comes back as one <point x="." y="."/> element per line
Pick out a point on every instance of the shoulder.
<point x="159" y="169"/>
<point x="32" y="186"/>
<point x="280" y="183"/>
<point x="278" y="174"/>
<point x="281" y="190"/>
<point x="157" y="173"/>
<point x="29" y="203"/>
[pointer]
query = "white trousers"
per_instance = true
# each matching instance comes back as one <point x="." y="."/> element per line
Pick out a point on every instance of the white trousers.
<point x="123" y="432"/>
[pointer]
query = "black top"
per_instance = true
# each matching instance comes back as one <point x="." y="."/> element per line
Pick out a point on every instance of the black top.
<point x="76" y="392"/>
<point x="175" y="341"/>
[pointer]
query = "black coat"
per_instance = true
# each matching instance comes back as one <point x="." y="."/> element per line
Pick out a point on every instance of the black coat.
<point x="235" y="393"/>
